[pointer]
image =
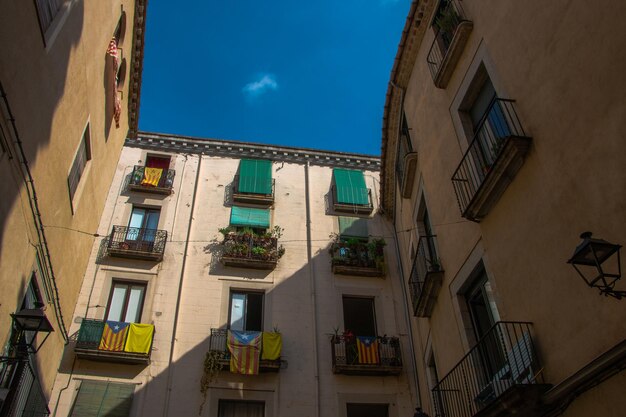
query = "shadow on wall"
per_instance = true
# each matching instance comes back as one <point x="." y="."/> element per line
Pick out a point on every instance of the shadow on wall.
<point x="287" y="307"/>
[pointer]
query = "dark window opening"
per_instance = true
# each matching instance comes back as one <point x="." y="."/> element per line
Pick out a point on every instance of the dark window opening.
<point x="227" y="408"/>
<point x="359" y="316"/>
<point x="246" y="311"/>
<point x="162" y="162"/>
<point x="80" y="162"/>
<point x="367" y="410"/>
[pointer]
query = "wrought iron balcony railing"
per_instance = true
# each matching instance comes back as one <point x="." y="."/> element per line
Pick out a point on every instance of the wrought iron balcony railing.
<point x="135" y="242"/>
<point x="357" y="257"/>
<point x="381" y="356"/>
<point x="251" y="251"/>
<point x="217" y="343"/>
<point x="261" y="197"/>
<point x="492" y="159"/>
<point x="162" y="183"/>
<point x="501" y="367"/>
<point x="21" y="393"/>
<point x="426" y="277"/>
<point x="358" y="194"/>
<point x="451" y="32"/>
<point x="89" y="346"/>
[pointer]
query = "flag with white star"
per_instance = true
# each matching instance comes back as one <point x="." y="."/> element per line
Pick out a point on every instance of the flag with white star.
<point x="367" y="347"/>
<point x="114" y="336"/>
<point x="245" y="351"/>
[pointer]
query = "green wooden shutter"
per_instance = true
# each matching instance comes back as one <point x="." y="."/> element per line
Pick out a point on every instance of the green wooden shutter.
<point x="90" y="333"/>
<point x="251" y="217"/>
<point x="103" y="399"/>
<point x="353" y="227"/>
<point x="350" y="187"/>
<point x="255" y="176"/>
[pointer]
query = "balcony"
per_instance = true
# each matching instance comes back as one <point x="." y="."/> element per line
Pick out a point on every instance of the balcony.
<point x="140" y="180"/>
<point x="266" y="199"/>
<point x="88" y="345"/>
<point x="21" y="393"/>
<point x="358" y="258"/>
<point x="364" y="195"/>
<point x="247" y="250"/>
<point x="426" y="277"/>
<point x="137" y="243"/>
<point x="452" y="31"/>
<point x="491" y="161"/>
<point x="499" y="376"/>
<point x="383" y="358"/>
<point x="217" y="343"/>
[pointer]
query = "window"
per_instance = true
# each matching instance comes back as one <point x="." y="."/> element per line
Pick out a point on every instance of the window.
<point x="359" y="316"/>
<point x="353" y="227"/>
<point x="433" y="380"/>
<point x="367" y="410"/>
<point x="255" y="218"/>
<point x="426" y="235"/>
<point x="103" y="399"/>
<point x="255" y="177"/>
<point x="126" y="301"/>
<point x="246" y="311"/>
<point x="404" y="147"/>
<point x="46" y="12"/>
<point x="350" y="187"/>
<point x="83" y="155"/>
<point x="143" y="224"/>
<point x="241" y="409"/>
<point x="33" y="298"/>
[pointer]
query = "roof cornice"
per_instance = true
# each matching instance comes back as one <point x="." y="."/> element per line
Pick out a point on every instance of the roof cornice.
<point x="410" y="43"/>
<point x="236" y="149"/>
<point x="136" y="66"/>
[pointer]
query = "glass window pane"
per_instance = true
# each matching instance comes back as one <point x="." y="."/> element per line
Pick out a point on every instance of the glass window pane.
<point x="117" y="302"/>
<point x="133" y="311"/>
<point x="237" y="310"/>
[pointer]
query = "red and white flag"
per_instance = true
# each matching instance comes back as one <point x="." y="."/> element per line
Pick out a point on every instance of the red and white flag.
<point x="117" y="105"/>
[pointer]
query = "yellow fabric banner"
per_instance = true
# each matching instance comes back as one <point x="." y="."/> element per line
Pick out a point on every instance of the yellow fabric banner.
<point x="152" y="176"/>
<point x="272" y="345"/>
<point x="139" y="338"/>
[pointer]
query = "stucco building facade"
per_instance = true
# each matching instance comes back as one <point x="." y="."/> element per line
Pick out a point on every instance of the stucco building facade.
<point x="302" y="253"/>
<point x="70" y="73"/>
<point x="502" y="143"/>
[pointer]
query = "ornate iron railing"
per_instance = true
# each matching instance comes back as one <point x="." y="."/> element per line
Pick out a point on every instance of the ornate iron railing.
<point x="497" y="126"/>
<point x="504" y="357"/>
<point x="425" y="262"/>
<point x="20" y="389"/>
<point x="137" y="241"/>
<point x="345" y="353"/>
<point x="448" y="18"/>
<point x="138" y="178"/>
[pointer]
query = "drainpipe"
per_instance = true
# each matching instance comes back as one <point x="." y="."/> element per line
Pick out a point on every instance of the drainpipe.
<point x="309" y="254"/>
<point x="402" y="279"/>
<point x="180" y="290"/>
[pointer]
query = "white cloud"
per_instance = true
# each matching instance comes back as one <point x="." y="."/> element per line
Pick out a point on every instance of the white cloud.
<point x="264" y="83"/>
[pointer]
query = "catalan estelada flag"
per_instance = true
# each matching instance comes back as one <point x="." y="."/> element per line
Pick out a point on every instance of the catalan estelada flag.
<point x="114" y="336"/>
<point x="139" y="338"/>
<point x="367" y="347"/>
<point x="152" y="176"/>
<point x="245" y="350"/>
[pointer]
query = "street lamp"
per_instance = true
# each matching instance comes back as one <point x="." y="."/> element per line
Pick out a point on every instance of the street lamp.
<point x="588" y="260"/>
<point x="30" y="320"/>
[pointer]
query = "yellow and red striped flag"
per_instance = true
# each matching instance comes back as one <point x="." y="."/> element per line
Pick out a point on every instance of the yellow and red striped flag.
<point x="152" y="176"/>
<point x="114" y="336"/>
<point x="245" y="350"/>
<point x="367" y="347"/>
<point x="117" y="106"/>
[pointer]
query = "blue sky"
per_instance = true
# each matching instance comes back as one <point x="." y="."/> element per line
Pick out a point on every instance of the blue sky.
<point x="298" y="73"/>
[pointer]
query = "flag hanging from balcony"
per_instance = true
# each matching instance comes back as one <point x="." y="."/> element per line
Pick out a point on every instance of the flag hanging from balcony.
<point x="152" y="176"/>
<point x="117" y="107"/>
<point x="367" y="347"/>
<point x="272" y="345"/>
<point x="245" y="350"/>
<point x="139" y="338"/>
<point x="114" y="336"/>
